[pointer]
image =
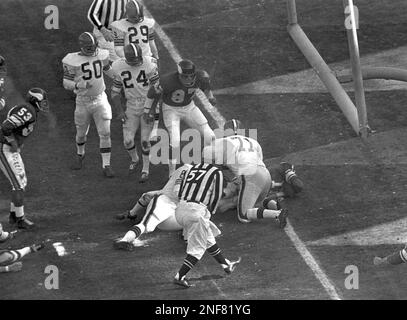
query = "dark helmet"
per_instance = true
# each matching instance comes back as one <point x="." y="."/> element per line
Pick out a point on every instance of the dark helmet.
<point x="186" y="72"/>
<point x="134" y="11"/>
<point x="88" y="43"/>
<point x="38" y="98"/>
<point x="133" y="54"/>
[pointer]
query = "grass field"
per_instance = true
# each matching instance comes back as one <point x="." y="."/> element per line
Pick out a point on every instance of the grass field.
<point x="350" y="186"/>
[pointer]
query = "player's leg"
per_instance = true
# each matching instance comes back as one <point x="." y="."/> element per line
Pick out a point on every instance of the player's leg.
<point x="12" y="166"/>
<point x="145" y="148"/>
<point x="130" y="128"/>
<point x="102" y="117"/>
<point x="138" y="211"/>
<point x="196" y="119"/>
<point x="395" y="258"/>
<point x="172" y="124"/>
<point x="82" y="119"/>
<point x="9" y="257"/>
<point x="5" y="236"/>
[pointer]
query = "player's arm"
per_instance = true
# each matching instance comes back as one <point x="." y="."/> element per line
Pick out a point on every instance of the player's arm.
<point x="118" y="41"/>
<point x="116" y="90"/>
<point x="107" y="68"/>
<point x="19" y="117"/>
<point x="206" y="87"/>
<point x="69" y="82"/>
<point x="93" y="17"/>
<point x="217" y="191"/>
<point x="153" y="46"/>
<point x="153" y="95"/>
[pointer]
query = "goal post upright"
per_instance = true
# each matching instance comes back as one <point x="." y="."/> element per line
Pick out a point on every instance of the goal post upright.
<point x="321" y="68"/>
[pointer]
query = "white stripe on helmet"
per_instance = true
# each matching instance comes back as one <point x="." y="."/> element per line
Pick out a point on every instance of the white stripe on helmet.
<point x="37" y="95"/>
<point x="135" y="50"/>
<point x="137" y="6"/>
<point x="91" y="36"/>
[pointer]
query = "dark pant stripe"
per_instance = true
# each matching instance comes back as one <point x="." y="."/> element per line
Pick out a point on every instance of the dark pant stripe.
<point x="151" y="211"/>
<point x="240" y="200"/>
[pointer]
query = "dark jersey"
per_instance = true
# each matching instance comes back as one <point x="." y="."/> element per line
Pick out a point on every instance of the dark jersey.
<point x="19" y="123"/>
<point x="175" y="94"/>
<point x="203" y="183"/>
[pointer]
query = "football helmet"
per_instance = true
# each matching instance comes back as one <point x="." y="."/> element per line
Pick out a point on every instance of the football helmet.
<point x="134" y="11"/>
<point x="38" y="98"/>
<point x="186" y="72"/>
<point x="88" y="43"/>
<point x="133" y="54"/>
<point x="232" y="125"/>
<point x="3" y="68"/>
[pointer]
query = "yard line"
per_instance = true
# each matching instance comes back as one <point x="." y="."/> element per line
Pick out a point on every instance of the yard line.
<point x="289" y="230"/>
<point x="212" y="110"/>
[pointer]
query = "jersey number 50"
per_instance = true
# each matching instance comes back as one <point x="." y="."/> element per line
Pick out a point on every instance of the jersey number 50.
<point x="87" y="70"/>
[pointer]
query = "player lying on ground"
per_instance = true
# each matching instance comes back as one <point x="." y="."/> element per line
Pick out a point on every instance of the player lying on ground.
<point x="83" y="74"/>
<point x="194" y="212"/>
<point x="9" y="259"/>
<point x="244" y="158"/>
<point x="395" y="258"/>
<point x="134" y="74"/>
<point x="19" y="124"/>
<point x="154" y="209"/>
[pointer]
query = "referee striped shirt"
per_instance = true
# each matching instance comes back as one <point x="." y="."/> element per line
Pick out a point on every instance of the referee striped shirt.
<point x="202" y="184"/>
<point x="103" y="12"/>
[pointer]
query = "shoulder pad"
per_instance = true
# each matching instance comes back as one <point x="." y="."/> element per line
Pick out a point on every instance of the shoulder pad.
<point x="149" y="21"/>
<point x="72" y="59"/>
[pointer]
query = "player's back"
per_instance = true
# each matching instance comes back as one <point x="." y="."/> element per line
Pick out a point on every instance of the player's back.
<point x="140" y="33"/>
<point x="176" y="94"/>
<point x="20" y="122"/>
<point x="88" y="69"/>
<point x="173" y="185"/>
<point x="136" y="79"/>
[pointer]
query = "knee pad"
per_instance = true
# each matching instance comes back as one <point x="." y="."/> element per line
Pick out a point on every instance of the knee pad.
<point x="7" y="257"/>
<point x="128" y="144"/>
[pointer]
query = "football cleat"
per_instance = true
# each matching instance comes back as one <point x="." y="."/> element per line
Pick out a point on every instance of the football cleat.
<point x="143" y="177"/>
<point x="186" y="72"/>
<point x="12" y="219"/>
<point x="108" y="172"/>
<point x="11" y="235"/>
<point x="125" y="215"/>
<point x="38" y="98"/>
<point x="78" y="162"/>
<point x="231" y="265"/>
<point x="134" y="11"/>
<point x="183" y="282"/>
<point x="123" y="245"/>
<point x="37" y="247"/>
<point x="288" y="170"/>
<point x="132" y="167"/>
<point x="282" y="218"/>
<point x="24" y="223"/>
<point x="133" y="54"/>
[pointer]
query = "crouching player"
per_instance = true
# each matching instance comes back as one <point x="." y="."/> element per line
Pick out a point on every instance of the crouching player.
<point x="244" y="157"/>
<point x="154" y="209"/>
<point x="9" y="259"/>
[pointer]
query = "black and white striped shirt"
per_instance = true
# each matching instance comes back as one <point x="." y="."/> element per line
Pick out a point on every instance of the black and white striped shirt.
<point x="103" y="12"/>
<point x="203" y="184"/>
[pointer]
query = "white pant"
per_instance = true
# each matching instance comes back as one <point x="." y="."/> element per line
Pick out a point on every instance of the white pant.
<point x="199" y="230"/>
<point x="135" y="120"/>
<point x="13" y="168"/>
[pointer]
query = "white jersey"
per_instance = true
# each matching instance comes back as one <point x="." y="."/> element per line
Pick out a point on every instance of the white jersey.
<point x="81" y="68"/>
<point x="242" y="155"/>
<point x="141" y="33"/>
<point x="174" y="183"/>
<point x="134" y="80"/>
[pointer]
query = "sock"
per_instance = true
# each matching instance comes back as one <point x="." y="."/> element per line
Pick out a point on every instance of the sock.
<point x="146" y="163"/>
<point x="80" y="147"/>
<point x="12" y="207"/>
<point x="133" y="153"/>
<point x="134" y="233"/>
<point x="105" y="152"/>
<point x="19" y="211"/>
<point x="189" y="263"/>
<point x="260" y="213"/>
<point x="215" y="252"/>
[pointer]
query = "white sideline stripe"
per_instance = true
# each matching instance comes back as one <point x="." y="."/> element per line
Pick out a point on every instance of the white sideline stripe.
<point x="212" y="110"/>
<point x="311" y="262"/>
<point x="299" y="245"/>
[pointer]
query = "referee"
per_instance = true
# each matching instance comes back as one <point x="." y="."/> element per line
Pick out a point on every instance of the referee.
<point x="199" y="194"/>
<point x="101" y="14"/>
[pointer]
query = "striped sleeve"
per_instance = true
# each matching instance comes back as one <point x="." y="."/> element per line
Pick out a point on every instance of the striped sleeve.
<point x="118" y="34"/>
<point x="94" y="15"/>
<point x="69" y="73"/>
<point x="151" y="33"/>
<point x="117" y="85"/>
<point x="216" y="191"/>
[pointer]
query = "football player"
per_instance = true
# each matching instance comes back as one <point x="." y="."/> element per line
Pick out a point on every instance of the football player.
<point x="20" y="123"/>
<point x="135" y="29"/>
<point x="3" y="74"/>
<point x="398" y="257"/>
<point x="83" y="74"/>
<point x="5" y="236"/>
<point x="244" y="158"/>
<point x="177" y="91"/>
<point x="10" y="259"/>
<point x="133" y="75"/>
<point x="154" y="209"/>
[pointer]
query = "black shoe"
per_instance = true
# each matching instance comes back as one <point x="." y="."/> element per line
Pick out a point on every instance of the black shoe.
<point x="108" y="172"/>
<point x="12" y="219"/>
<point x="231" y="265"/>
<point x="78" y="162"/>
<point x="24" y="223"/>
<point x="282" y="218"/>
<point x="123" y="245"/>
<point x="125" y="215"/>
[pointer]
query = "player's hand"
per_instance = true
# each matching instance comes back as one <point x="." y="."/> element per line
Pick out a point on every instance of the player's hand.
<point x="148" y="117"/>
<point x="122" y="116"/>
<point x="83" y="85"/>
<point x="107" y="34"/>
